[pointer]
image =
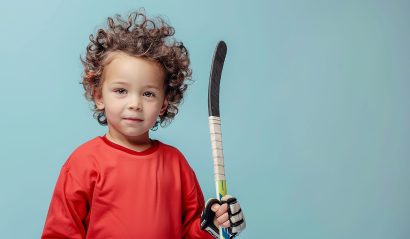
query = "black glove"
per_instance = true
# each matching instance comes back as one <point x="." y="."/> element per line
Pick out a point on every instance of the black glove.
<point x="235" y="214"/>
<point x="207" y="218"/>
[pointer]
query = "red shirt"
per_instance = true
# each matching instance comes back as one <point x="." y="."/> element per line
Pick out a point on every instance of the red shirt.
<point x="105" y="190"/>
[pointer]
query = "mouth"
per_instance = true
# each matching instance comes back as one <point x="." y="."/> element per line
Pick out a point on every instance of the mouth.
<point x="132" y="119"/>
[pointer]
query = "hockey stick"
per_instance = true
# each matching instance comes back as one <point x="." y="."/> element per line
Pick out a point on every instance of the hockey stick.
<point x="215" y="125"/>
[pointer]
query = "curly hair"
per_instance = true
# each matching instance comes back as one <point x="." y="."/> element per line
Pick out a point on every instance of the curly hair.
<point x="150" y="39"/>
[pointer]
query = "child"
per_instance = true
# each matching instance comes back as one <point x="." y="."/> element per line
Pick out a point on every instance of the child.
<point x="124" y="184"/>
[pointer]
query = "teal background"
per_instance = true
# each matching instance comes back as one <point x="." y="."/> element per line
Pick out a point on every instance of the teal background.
<point x="314" y="105"/>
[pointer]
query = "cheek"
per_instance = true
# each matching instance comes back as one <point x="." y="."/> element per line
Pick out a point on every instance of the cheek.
<point x="154" y="112"/>
<point x="113" y="109"/>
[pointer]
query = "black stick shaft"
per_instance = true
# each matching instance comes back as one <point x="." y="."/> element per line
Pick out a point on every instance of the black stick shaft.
<point x="215" y="79"/>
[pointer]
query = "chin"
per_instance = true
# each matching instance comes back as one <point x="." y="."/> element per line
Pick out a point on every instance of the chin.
<point x="135" y="133"/>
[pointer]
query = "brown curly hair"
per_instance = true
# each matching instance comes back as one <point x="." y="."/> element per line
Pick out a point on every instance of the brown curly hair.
<point x="150" y="39"/>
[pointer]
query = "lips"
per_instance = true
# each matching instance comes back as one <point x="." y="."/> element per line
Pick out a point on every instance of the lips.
<point x="134" y="119"/>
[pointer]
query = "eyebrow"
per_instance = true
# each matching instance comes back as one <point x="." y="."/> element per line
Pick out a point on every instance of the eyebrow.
<point x="127" y="84"/>
<point x="120" y="83"/>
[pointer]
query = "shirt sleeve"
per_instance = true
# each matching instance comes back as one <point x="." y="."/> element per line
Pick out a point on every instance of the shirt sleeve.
<point x="193" y="204"/>
<point x="68" y="215"/>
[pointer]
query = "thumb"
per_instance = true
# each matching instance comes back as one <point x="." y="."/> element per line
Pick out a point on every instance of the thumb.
<point x="215" y="207"/>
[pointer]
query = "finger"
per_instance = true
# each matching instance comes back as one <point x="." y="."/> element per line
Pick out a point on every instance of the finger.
<point x="223" y="219"/>
<point x="226" y="224"/>
<point x="221" y="210"/>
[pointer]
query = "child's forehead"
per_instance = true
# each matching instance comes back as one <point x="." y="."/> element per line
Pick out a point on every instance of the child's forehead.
<point x="125" y="57"/>
<point x="123" y="65"/>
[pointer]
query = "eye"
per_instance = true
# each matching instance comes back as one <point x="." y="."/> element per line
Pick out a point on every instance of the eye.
<point x="149" y="94"/>
<point x="120" y="91"/>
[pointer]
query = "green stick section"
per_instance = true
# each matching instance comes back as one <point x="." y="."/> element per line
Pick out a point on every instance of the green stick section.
<point x="221" y="189"/>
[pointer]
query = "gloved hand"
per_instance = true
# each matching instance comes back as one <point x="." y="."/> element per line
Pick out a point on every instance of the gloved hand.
<point x="226" y="213"/>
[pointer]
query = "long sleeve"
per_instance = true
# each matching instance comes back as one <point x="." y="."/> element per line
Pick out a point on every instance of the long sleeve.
<point x="68" y="214"/>
<point x="193" y="204"/>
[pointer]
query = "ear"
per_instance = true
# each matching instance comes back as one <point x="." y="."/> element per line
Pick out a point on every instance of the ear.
<point x="164" y="107"/>
<point x="98" y="100"/>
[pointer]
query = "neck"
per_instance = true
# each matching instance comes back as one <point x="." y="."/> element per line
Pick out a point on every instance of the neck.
<point x="137" y="143"/>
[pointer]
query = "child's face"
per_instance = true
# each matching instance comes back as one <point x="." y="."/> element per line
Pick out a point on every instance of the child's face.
<point x="132" y="96"/>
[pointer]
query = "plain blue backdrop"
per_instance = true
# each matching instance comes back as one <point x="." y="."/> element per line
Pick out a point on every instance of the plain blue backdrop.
<point x="314" y="105"/>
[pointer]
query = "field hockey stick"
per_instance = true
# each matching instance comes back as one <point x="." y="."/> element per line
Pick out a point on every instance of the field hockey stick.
<point x="215" y="125"/>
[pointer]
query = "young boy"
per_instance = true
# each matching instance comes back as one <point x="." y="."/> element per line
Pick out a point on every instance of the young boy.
<point x="124" y="184"/>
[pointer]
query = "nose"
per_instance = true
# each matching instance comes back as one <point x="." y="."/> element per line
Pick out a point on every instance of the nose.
<point x="135" y="103"/>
